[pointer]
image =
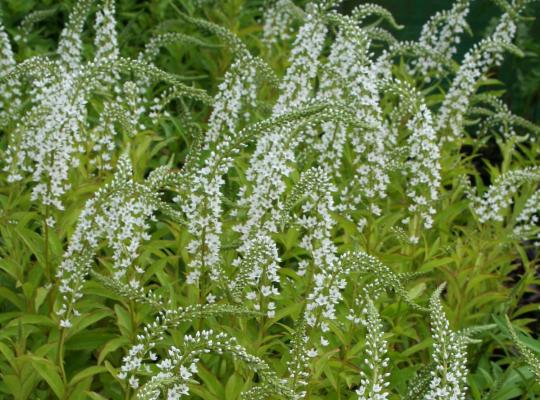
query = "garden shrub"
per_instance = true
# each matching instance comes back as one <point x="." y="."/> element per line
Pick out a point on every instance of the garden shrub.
<point x="314" y="225"/>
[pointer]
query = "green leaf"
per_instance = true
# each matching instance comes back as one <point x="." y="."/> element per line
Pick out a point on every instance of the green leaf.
<point x="49" y="372"/>
<point x="211" y="382"/>
<point x="90" y="371"/>
<point x="7" y="352"/>
<point x="233" y="387"/>
<point x="111" y="346"/>
<point x="95" y="396"/>
<point x="14" y="386"/>
<point x="88" y="319"/>
<point x="89" y="340"/>
<point x="12" y="297"/>
<point x="41" y="295"/>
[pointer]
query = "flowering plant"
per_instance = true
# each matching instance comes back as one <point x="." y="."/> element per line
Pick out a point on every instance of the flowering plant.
<point x="309" y="227"/>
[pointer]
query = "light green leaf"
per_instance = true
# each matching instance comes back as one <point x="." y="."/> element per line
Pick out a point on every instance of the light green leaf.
<point x="49" y="372"/>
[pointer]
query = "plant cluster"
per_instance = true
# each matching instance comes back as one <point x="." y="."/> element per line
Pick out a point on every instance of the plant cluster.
<point x="311" y="226"/>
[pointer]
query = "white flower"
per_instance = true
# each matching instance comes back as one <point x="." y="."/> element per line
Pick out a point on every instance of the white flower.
<point x="133" y="382"/>
<point x="65" y="323"/>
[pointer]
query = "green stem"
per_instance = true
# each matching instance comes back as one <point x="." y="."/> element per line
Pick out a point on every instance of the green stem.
<point x="46" y="250"/>
<point x="60" y="354"/>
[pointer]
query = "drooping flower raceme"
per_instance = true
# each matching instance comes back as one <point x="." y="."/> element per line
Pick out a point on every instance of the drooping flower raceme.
<point x="350" y="78"/>
<point x="440" y="36"/>
<point x="237" y="92"/>
<point x="316" y="220"/>
<point x="374" y="382"/>
<point x="527" y="221"/>
<point x="476" y="63"/>
<point x="493" y="204"/>
<point x="106" y="40"/>
<point x="118" y="213"/>
<point x="424" y="165"/>
<point x="449" y="356"/>
<point x="47" y="140"/>
<point x="10" y="91"/>
<point x="49" y="137"/>
<point x="203" y="206"/>
<point x="257" y="274"/>
<point x="277" y="22"/>
<point x="178" y="368"/>
<point x="297" y="85"/>
<point x="70" y="45"/>
<point x="270" y="162"/>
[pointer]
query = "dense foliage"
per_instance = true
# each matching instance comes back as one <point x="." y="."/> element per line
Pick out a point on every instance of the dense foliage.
<point x="264" y="201"/>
